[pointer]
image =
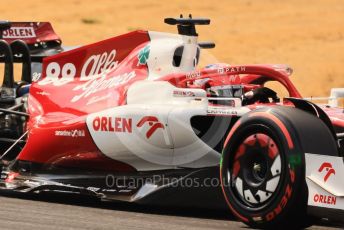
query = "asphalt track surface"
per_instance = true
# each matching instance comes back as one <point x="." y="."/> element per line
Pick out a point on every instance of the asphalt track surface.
<point x="55" y="211"/>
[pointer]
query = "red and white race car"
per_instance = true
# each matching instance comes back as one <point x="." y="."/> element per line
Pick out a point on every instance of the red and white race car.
<point x="131" y="118"/>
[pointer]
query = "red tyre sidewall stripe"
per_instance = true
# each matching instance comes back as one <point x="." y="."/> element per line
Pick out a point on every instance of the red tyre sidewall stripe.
<point x="236" y="125"/>
<point x="244" y="219"/>
<point x="227" y="201"/>
<point x="278" y="122"/>
<point x="284" y="130"/>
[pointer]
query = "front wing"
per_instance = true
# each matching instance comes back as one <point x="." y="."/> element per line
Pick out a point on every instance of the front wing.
<point x="324" y="177"/>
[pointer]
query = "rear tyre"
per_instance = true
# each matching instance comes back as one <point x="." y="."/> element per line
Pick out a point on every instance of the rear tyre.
<point x="263" y="166"/>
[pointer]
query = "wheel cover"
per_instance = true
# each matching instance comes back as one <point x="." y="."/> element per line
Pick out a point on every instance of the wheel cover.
<point x="256" y="170"/>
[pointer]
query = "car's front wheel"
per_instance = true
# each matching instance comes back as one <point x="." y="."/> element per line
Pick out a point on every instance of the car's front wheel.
<point x="263" y="167"/>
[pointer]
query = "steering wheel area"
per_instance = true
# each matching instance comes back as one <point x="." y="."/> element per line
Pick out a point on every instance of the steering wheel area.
<point x="254" y="95"/>
<point x="260" y="95"/>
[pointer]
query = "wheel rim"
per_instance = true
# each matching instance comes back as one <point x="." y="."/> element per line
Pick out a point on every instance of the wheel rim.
<point x="256" y="170"/>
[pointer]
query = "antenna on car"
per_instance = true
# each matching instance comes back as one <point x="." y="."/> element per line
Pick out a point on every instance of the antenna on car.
<point x="186" y="26"/>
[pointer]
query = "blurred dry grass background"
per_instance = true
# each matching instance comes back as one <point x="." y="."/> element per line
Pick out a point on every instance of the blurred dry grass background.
<point x="307" y="35"/>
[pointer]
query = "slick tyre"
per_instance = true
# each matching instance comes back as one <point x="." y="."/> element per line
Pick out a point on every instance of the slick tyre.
<point x="263" y="166"/>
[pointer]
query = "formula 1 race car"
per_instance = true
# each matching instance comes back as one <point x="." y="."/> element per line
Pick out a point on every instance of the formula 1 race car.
<point x="132" y="119"/>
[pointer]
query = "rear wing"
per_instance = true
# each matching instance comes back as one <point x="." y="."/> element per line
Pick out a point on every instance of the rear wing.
<point x="32" y="33"/>
<point x="40" y="38"/>
<point x="27" y="43"/>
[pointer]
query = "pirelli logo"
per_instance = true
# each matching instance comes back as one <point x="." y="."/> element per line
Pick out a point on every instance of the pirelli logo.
<point x="19" y="32"/>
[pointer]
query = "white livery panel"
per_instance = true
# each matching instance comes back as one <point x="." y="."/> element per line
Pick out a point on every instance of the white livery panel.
<point x="324" y="177"/>
<point x="153" y="130"/>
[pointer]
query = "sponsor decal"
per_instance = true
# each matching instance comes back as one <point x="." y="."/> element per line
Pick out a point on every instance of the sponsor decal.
<point x="112" y="124"/>
<point x="94" y="67"/>
<point x="152" y="122"/>
<point x="284" y="200"/>
<point x="231" y="109"/>
<point x="98" y="64"/>
<point x="70" y="133"/>
<point x="327" y="167"/>
<point x="43" y="93"/>
<point x="323" y="199"/>
<point x="100" y="84"/>
<point x="36" y="76"/>
<point x="281" y="205"/>
<point x="143" y="55"/>
<point x="222" y="111"/>
<point x="231" y="69"/>
<point x="19" y="32"/>
<point x="147" y="125"/>
<point x="179" y="93"/>
<point x="192" y="75"/>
